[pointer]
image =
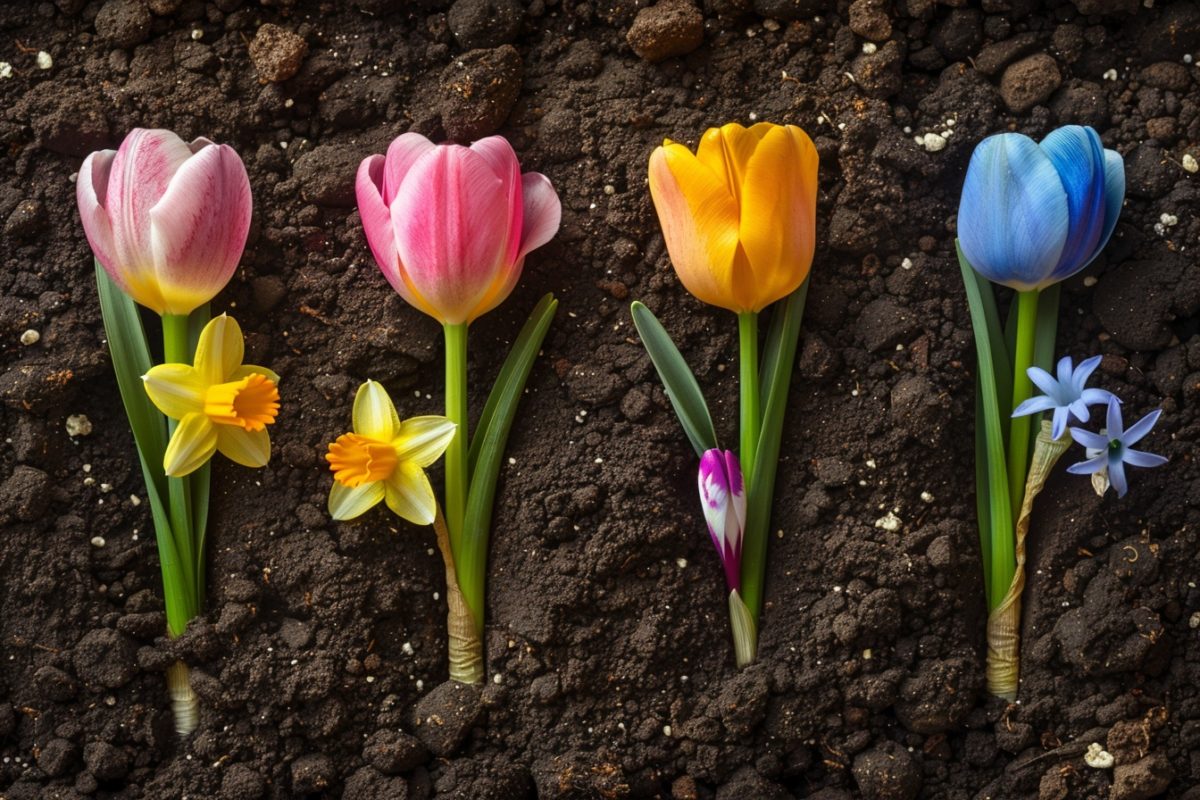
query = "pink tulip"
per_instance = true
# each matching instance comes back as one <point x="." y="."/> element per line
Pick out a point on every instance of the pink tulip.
<point x="450" y="225"/>
<point x="167" y="220"/>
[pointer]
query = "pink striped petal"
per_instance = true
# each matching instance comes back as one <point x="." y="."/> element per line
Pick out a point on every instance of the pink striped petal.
<point x="543" y="212"/>
<point x="140" y="173"/>
<point x="402" y="153"/>
<point x="377" y="220"/>
<point x="91" y="189"/>
<point x="450" y="231"/>
<point x="500" y="156"/>
<point x="198" y="228"/>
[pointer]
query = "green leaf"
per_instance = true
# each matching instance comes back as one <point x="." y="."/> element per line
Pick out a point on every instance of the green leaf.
<point x="488" y="448"/>
<point x="1044" y="342"/>
<point x="778" y="359"/>
<point x="200" y="481"/>
<point x="1001" y="564"/>
<point x="677" y="378"/>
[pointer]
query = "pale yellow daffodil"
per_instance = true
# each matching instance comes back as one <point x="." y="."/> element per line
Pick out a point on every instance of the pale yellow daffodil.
<point x="385" y="459"/>
<point x="221" y="404"/>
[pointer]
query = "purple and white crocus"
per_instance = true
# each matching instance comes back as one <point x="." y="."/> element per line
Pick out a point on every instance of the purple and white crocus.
<point x="1067" y="397"/>
<point x="723" y="496"/>
<point x="1110" y="450"/>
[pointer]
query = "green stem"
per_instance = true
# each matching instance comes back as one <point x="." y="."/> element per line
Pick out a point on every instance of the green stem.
<point x="177" y="350"/>
<point x="1018" y="438"/>
<point x="751" y="414"/>
<point x="456" y="454"/>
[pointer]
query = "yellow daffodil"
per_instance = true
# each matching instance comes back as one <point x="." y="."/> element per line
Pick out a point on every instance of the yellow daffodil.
<point x="739" y="215"/>
<point x="385" y="459"/>
<point x="221" y="403"/>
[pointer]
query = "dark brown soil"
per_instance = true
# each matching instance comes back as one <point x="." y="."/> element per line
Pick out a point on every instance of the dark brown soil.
<point x="321" y="658"/>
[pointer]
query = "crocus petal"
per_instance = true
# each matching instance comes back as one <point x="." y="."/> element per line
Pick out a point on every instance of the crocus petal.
<point x="191" y="446"/>
<point x="246" y="370"/>
<point x="1138" y="430"/>
<point x="422" y="440"/>
<point x="1094" y="441"/>
<point x="402" y="153"/>
<point x="542" y="212"/>
<point x="220" y="349"/>
<point x="91" y="188"/>
<point x="374" y="415"/>
<point x="1058" y="424"/>
<point x="1078" y="156"/>
<point x="737" y="495"/>
<point x="198" y="228"/>
<point x="449" y="235"/>
<point x="699" y="220"/>
<point x="1114" y="425"/>
<point x="1043" y="380"/>
<point x="1013" y="216"/>
<point x="409" y="494"/>
<point x="1140" y="458"/>
<point x="248" y="448"/>
<point x="777" y="224"/>
<point x="346" y="503"/>
<point x="1089" y="467"/>
<point x="175" y="389"/>
<point x="1116" y="476"/>
<point x="1034" y="405"/>
<point x="1064" y="372"/>
<point x="1114" y="196"/>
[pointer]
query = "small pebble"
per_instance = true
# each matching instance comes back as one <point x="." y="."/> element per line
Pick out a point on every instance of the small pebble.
<point x="869" y="47"/>
<point x="1189" y="163"/>
<point x="681" y="563"/>
<point x="890" y="522"/>
<point x="134" y="500"/>
<point x="667" y="731"/>
<point x="407" y="648"/>
<point x="30" y="337"/>
<point x="926" y="497"/>
<point x="197" y="34"/>
<point x="44" y="60"/>
<point x="98" y="541"/>
<point x="934" y="142"/>
<point x="1110" y="75"/>
<point x="906" y="264"/>
<point x="1097" y="757"/>
<point x="1090" y="281"/>
<point x="5" y="69"/>
<point x="78" y="425"/>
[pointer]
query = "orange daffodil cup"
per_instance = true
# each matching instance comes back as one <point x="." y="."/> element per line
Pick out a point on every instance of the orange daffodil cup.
<point x="739" y="219"/>
<point x="167" y="221"/>
<point x="450" y="227"/>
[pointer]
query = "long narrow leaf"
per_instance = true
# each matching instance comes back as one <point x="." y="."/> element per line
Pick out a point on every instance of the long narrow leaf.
<point x="770" y="356"/>
<point x="677" y="378"/>
<point x="1001" y="545"/>
<point x="201" y="479"/>
<point x="777" y="379"/>
<point x="471" y="559"/>
<point x="1044" y="342"/>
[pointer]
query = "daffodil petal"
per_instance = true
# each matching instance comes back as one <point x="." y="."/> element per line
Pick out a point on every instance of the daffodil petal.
<point x="191" y="446"/>
<point x="374" y="415"/>
<point x="422" y="440"/>
<point x="175" y="389"/>
<point x="409" y="495"/>
<point x="699" y="219"/>
<point x="248" y="448"/>
<point x="346" y="503"/>
<point x="220" y="349"/>
<point x="253" y="369"/>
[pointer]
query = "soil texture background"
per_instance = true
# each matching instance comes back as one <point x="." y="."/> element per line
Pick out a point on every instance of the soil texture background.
<point x="321" y="658"/>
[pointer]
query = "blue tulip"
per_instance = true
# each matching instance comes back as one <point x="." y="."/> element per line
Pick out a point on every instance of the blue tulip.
<point x="1032" y="215"/>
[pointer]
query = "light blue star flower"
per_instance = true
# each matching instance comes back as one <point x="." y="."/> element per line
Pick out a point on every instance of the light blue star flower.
<point x="1109" y="451"/>
<point x="1066" y="397"/>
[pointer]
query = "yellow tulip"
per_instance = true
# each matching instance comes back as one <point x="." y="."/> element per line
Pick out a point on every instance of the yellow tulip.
<point x="221" y="404"/>
<point x="739" y="215"/>
<point x="385" y="459"/>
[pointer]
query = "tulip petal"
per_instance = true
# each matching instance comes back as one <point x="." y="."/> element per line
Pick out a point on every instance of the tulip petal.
<point x="377" y="221"/>
<point x="402" y="153"/>
<point x="175" y="389"/>
<point x="1078" y="156"/>
<point x="374" y="415"/>
<point x="1114" y="196"/>
<point x="422" y="440"/>
<point x="141" y="171"/>
<point x="499" y="155"/>
<point x="248" y="448"/>
<point x="1013" y="217"/>
<point x="409" y="495"/>
<point x="191" y="446"/>
<point x="699" y="220"/>
<point x="347" y="503"/>
<point x="91" y="188"/>
<point x="542" y="213"/>
<point x="727" y="151"/>
<point x="449" y="235"/>
<point x="198" y="229"/>
<point x="220" y="350"/>
<point x="777" y="228"/>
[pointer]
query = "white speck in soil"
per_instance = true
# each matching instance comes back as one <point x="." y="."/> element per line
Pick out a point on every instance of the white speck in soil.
<point x="926" y="497"/>
<point x="98" y="541"/>
<point x="407" y="648"/>
<point x="1109" y="75"/>
<point x="1097" y="757"/>
<point x="1189" y="163"/>
<point x="869" y="47"/>
<point x="78" y="425"/>
<point x="30" y="337"/>
<point x="889" y="522"/>
<point x="681" y="563"/>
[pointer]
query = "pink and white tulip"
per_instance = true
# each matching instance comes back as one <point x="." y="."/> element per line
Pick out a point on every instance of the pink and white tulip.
<point x="450" y="226"/>
<point x="723" y="496"/>
<point x="166" y="219"/>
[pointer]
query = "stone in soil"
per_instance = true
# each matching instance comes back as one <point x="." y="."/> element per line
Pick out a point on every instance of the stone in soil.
<point x="443" y="718"/>
<point x="277" y="53"/>
<point x="370" y="784"/>
<point x="105" y="761"/>
<point x="484" y="23"/>
<point x="998" y="55"/>
<point x="869" y="19"/>
<point x="886" y="772"/>
<point x="938" y="695"/>
<point x="1142" y="780"/>
<point x="478" y="91"/>
<point x="123" y="23"/>
<point x="1029" y="82"/>
<point x="666" y="29"/>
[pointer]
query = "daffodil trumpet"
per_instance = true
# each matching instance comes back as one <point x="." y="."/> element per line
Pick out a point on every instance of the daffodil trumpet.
<point x="739" y="220"/>
<point x="1031" y="215"/>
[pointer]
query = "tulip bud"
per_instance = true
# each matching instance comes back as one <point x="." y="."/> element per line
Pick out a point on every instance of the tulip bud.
<point x="723" y="498"/>
<point x="450" y="226"/>
<point x="1031" y="214"/>
<point x="739" y="216"/>
<point x="167" y="220"/>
